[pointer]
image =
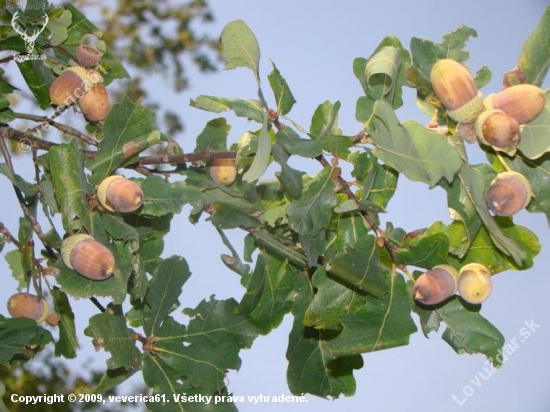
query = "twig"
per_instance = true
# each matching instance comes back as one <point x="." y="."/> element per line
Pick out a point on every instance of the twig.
<point x="94" y="300"/>
<point x="4" y="230"/>
<point x="62" y="127"/>
<point x="185" y="157"/>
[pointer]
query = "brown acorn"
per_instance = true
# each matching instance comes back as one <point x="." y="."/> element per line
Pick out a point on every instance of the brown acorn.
<point x="474" y="283"/>
<point x="435" y="285"/>
<point x="95" y="103"/>
<point x="88" y="257"/>
<point x="455" y="87"/>
<point x="509" y="193"/>
<point x="223" y="171"/>
<point x="523" y="102"/>
<point x="69" y="86"/>
<point x="116" y="193"/>
<point x="88" y="56"/>
<point x="495" y="128"/>
<point x="26" y="305"/>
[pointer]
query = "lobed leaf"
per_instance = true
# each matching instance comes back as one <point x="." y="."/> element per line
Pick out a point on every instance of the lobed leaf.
<point x="466" y="332"/>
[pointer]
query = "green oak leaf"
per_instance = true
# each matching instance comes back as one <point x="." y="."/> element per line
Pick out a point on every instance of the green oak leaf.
<point x="21" y="337"/>
<point x="466" y="332"/>
<point x="379" y="324"/>
<point x="312" y="368"/>
<point x="240" y="47"/>
<point x="283" y="96"/>
<point x="67" y="343"/>
<point x="109" y="331"/>
<point x="534" y="59"/>
<point x="247" y="108"/>
<point x="312" y="212"/>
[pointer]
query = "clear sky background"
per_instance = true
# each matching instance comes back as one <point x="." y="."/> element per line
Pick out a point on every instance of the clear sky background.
<point x="313" y="44"/>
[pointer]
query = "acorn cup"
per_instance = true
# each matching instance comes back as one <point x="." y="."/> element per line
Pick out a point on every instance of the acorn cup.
<point x="455" y="87"/>
<point x="88" y="257"/>
<point x="118" y="194"/>
<point x="435" y="285"/>
<point x="88" y="56"/>
<point x="497" y="129"/>
<point x="26" y="305"/>
<point x="223" y="171"/>
<point x="508" y="193"/>
<point x="474" y="283"/>
<point x="95" y="104"/>
<point x="523" y="102"/>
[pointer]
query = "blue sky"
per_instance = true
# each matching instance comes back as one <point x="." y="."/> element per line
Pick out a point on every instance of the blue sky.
<point x="313" y="44"/>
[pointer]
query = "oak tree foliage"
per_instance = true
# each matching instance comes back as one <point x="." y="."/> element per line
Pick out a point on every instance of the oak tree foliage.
<point x="314" y="248"/>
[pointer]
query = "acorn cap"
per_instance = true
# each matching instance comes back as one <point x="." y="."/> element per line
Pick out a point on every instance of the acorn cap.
<point x="508" y="193"/>
<point x="116" y="193"/>
<point x="26" y="305"/>
<point x="523" y="102"/>
<point x="88" y="56"/>
<point x="455" y="87"/>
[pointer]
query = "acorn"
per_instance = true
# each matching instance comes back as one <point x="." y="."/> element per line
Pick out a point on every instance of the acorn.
<point x="69" y="86"/>
<point x="523" y="102"/>
<point x="495" y="128"/>
<point x="223" y="171"/>
<point x="95" y="103"/>
<point x="435" y="285"/>
<point x="508" y="193"/>
<point x="88" y="56"/>
<point x="474" y="283"/>
<point x="455" y="87"/>
<point x="118" y="194"/>
<point x="26" y="305"/>
<point x="88" y="257"/>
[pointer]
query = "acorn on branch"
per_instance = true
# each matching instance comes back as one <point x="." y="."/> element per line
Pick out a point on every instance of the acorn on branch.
<point x="118" y="194"/>
<point x="73" y="83"/>
<point x="455" y="87"/>
<point x="88" y="257"/>
<point x="474" y="283"/>
<point x="223" y="171"/>
<point x="523" y="102"/>
<point x="95" y="104"/>
<point x="497" y="129"/>
<point x="435" y="285"/>
<point x="508" y="193"/>
<point x="26" y="305"/>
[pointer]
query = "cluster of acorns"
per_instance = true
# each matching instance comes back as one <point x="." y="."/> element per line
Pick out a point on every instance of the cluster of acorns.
<point x="497" y="120"/>
<point x="81" y="252"/>
<point x="473" y="283"/>
<point x="83" y="85"/>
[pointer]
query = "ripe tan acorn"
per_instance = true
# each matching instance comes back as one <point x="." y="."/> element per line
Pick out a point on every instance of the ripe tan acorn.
<point x="435" y="285"/>
<point x="68" y="86"/>
<point x="88" y="56"/>
<point x="73" y="83"/>
<point x="474" y="283"/>
<point x="88" y="257"/>
<point x="495" y="128"/>
<point x="509" y="193"/>
<point x="95" y="104"/>
<point x="26" y="305"/>
<point x="455" y="87"/>
<point x="523" y="102"/>
<point x="118" y="194"/>
<point x="223" y="171"/>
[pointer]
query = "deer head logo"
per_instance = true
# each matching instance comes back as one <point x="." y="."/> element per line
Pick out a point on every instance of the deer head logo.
<point x="29" y="40"/>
